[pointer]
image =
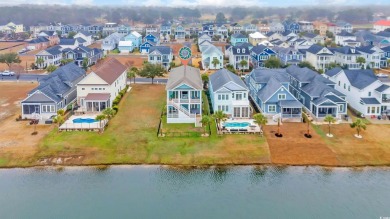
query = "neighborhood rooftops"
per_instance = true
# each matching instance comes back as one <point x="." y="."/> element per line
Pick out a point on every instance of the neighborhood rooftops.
<point x="64" y="41"/>
<point x="166" y="50"/>
<point x="227" y="79"/>
<point x="184" y="75"/>
<point x="360" y="78"/>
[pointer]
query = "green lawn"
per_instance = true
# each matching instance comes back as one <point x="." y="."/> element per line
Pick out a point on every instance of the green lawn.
<point x="131" y="137"/>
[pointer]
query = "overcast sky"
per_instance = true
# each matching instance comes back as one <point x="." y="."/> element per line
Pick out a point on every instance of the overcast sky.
<point x="173" y="3"/>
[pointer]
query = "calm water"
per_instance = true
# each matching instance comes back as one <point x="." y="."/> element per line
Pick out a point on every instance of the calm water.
<point x="159" y="192"/>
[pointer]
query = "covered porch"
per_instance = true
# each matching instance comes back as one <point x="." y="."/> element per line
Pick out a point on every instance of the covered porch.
<point x="324" y="109"/>
<point x="290" y="109"/>
<point x="96" y="102"/>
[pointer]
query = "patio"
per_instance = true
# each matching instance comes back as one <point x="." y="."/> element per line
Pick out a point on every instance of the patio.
<point x="252" y="128"/>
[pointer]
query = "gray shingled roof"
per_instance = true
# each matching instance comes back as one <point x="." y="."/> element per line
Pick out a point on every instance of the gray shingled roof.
<point x="346" y="50"/>
<point x="60" y="81"/>
<point x="345" y="33"/>
<point x="306" y="75"/>
<point x="64" y="41"/>
<point x="264" y="75"/>
<point x="360" y="78"/>
<point x="184" y="75"/>
<point x="55" y="50"/>
<point x="314" y="49"/>
<point x="382" y="88"/>
<point x="370" y="101"/>
<point x="225" y="78"/>
<point x="243" y="50"/>
<point x="166" y="50"/>
<point x="319" y="89"/>
<point x="239" y="35"/>
<point x="269" y="89"/>
<point x="334" y="71"/>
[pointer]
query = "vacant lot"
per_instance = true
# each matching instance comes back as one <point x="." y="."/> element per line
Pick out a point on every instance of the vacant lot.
<point x="17" y="145"/>
<point x="130" y="60"/>
<point x="131" y="137"/>
<point x="294" y="148"/>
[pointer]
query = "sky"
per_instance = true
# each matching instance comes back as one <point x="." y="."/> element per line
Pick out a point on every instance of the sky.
<point x="189" y="3"/>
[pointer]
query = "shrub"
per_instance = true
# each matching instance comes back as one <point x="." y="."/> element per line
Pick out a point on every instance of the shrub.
<point x="115" y="108"/>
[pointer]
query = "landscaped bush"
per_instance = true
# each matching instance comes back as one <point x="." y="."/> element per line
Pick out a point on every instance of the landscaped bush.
<point x="115" y="108"/>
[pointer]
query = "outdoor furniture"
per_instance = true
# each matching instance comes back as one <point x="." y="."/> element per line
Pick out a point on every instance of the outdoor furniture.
<point x="346" y="117"/>
<point x="243" y="130"/>
<point x="233" y="130"/>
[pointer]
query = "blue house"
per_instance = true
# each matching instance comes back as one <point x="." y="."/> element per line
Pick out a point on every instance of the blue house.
<point x="144" y="48"/>
<point x="208" y="28"/>
<point x="238" y="38"/>
<point x="289" y="56"/>
<point x="152" y="37"/>
<point x="165" y="29"/>
<point x="316" y="93"/>
<point x="135" y="38"/>
<point x="269" y="90"/>
<point x="290" y="25"/>
<point x="259" y="54"/>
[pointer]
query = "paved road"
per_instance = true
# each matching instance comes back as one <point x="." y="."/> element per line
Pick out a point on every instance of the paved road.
<point x="23" y="77"/>
<point x="35" y="77"/>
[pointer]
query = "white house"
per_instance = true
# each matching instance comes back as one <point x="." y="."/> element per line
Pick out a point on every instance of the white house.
<point x="111" y="41"/>
<point x="364" y="91"/>
<point x="99" y="88"/>
<point x="86" y="36"/>
<point x="184" y="95"/>
<point x="210" y="54"/>
<point x="381" y="25"/>
<point x="229" y="94"/>
<point x="160" y="55"/>
<point x="49" y="56"/>
<point x="347" y="57"/>
<point x="320" y="57"/>
<point x="346" y="39"/>
<point x="256" y="38"/>
<point x="372" y="55"/>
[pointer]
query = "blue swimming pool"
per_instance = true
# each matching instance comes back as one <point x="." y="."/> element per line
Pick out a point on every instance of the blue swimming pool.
<point x="84" y="120"/>
<point x="236" y="124"/>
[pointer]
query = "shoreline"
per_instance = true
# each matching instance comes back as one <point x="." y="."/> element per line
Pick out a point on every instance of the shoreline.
<point x="188" y="167"/>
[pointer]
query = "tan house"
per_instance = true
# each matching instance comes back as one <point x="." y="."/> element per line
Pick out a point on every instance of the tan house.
<point x="256" y="38"/>
<point x="98" y="89"/>
<point x="322" y="27"/>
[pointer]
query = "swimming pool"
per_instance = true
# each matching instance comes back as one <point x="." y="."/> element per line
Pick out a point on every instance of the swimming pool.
<point x="236" y="124"/>
<point x="84" y="120"/>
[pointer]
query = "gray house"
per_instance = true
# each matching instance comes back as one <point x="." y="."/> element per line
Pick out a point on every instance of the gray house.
<point x="56" y="91"/>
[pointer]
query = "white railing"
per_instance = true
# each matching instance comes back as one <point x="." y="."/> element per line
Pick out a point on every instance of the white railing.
<point x="182" y="109"/>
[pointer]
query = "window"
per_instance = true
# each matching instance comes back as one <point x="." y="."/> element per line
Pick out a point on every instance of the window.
<point x="219" y="107"/>
<point x="83" y="88"/>
<point x="219" y="96"/>
<point x="227" y="96"/>
<point x="245" y="112"/>
<point x="345" y="85"/>
<point x="223" y="96"/>
<point x="271" y="108"/>
<point x="281" y="96"/>
<point x="341" y="108"/>
<point x="349" y="88"/>
<point x="369" y="94"/>
<point x="236" y="111"/>
<point x="239" y="97"/>
<point x="368" y="110"/>
<point x="227" y="108"/>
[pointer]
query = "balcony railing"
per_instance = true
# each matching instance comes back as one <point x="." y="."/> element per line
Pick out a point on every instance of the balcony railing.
<point x="197" y="100"/>
<point x="292" y="115"/>
<point x="385" y="100"/>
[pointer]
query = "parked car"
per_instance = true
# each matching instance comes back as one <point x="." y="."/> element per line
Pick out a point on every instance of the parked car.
<point x="7" y="73"/>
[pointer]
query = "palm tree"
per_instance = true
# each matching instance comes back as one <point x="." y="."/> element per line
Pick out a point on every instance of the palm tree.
<point x="219" y="115"/>
<point x="260" y="120"/>
<point x="132" y="73"/>
<point x="51" y="68"/>
<point x="206" y="120"/>
<point x="215" y="62"/>
<point x="243" y="64"/>
<point x="59" y="119"/>
<point x="329" y="119"/>
<point x="61" y="112"/>
<point x="39" y="61"/>
<point x="109" y="113"/>
<point x="359" y="124"/>
<point x="361" y="61"/>
<point x="100" y="118"/>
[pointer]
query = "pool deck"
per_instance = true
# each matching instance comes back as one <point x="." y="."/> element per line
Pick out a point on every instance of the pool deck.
<point x="68" y="125"/>
<point x="253" y="128"/>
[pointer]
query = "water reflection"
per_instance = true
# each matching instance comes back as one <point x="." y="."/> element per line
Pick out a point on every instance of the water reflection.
<point x="258" y="174"/>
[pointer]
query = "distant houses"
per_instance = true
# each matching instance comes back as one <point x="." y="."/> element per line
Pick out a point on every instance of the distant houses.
<point x="56" y="91"/>
<point x="160" y="55"/>
<point x="212" y="57"/>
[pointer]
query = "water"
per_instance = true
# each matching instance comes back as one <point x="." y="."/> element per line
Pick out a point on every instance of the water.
<point x="84" y="120"/>
<point x="159" y="192"/>
<point x="236" y="124"/>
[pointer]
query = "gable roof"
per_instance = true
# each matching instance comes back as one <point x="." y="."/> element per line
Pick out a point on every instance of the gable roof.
<point x="166" y="50"/>
<point x="110" y="70"/>
<point x="314" y="49"/>
<point x="55" y="50"/>
<point x="367" y="49"/>
<point x="223" y="77"/>
<point x="85" y="33"/>
<point x="347" y="50"/>
<point x="334" y="71"/>
<point x="212" y="49"/>
<point x="306" y="75"/>
<point x="240" y="50"/>
<point x="38" y="40"/>
<point x="238" y="35"/>
<point x="261" y="75"/>
<point x="269" y="89"/>
<point x="382" y="88"/>
<point x="184" y="75"/>
<point x="261" y="48"/>
<point x="60" y="81"/>
<point x="257" y="35"/>
<point x="80" y="40"/>
<point x="64" y="41"/>
<point x="345" y="34"/>
<point x="360" y="78"/>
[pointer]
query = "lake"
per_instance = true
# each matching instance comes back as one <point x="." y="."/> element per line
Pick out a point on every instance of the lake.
<point x="162" y="192"/>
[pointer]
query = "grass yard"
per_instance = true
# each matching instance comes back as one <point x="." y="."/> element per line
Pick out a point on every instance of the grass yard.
<point x="131" y="138"/>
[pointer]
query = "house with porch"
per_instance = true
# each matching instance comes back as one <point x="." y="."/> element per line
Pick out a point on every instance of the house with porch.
<point x="259" y="54"/>
<point x="345" y="38"/>
<point x="381" y="25"/>
<point x="145" y="46"/>
<point x="180" y="32"/>
<point x="229" y="94"/>
<point x="291" y="26"/>
<point x="208" y="28"/>
<point x="288" y="56"/>
<point x="56" y="91"/>
<point x="249" y="28"/>
<point x="320" y="57"/>
<point x="99" y="88"/>
<point x="238" y="38"/>
<point x="204" y="37"/>
<point x="317" y="94"/>
<point x="52" y="36"/>
<point x="346" y="56"/>
<point x="38" y="43"/>
<point x="184" y="95"/>
<point x="50" y="56"/>
<point x="160" y="55"/>
<point x="165" y="29"/>
<point x="276" y="27"/>
<point x="125" y="46"/>
<point x="81" y="54"/>
<point x="68" y="43"/>
<point x="373" y="55"/>
<point x="222" y="31"/>
<point x="274" y="36"/>
<point x="212" y="57"/>
<point x="235" y="28"/>
<point x="269" y="90"/>
<point x="237" y="54"/>
<point x="151" y="29"/>
<point x="314" y="38"/>
<point x="306" y="26"/>
<point x="364" y="91"/>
